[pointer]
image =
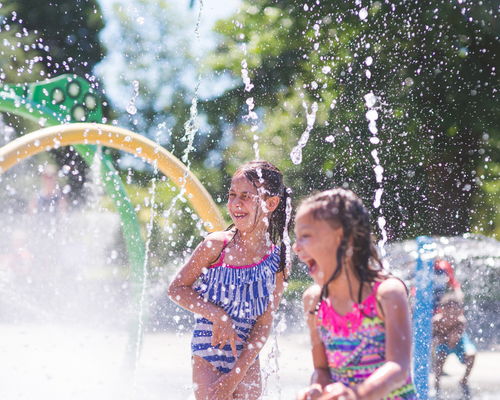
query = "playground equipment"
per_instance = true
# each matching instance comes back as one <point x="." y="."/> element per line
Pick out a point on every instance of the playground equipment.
<point x="64" y="103"/>
<point x="121" y="139"/>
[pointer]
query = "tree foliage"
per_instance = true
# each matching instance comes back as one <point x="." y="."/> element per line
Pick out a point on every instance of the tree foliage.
<point x="430" y="69"/>
<point x="40" y="40"/>
<point x="67" y="29"/>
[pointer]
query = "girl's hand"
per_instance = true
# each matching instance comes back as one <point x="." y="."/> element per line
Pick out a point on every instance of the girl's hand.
<point x="313" y="392"/>
<point x="338" y="391"/>
<point x="222" y="331"/>
<point x="224" y="387"/>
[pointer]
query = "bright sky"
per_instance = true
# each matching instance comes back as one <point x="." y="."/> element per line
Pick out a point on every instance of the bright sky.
<point x="185" y="17"/>
<point x="211" y="12"/>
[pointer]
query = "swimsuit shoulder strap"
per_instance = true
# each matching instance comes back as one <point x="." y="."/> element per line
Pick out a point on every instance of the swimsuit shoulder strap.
<point x="223" y="251"/>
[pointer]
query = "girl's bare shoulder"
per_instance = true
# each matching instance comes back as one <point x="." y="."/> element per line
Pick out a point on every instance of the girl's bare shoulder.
<point x="219" y="237"/>
<point x="213" y="243"/>
<point x="311" y="297"/>
<point x="391" y="287"/>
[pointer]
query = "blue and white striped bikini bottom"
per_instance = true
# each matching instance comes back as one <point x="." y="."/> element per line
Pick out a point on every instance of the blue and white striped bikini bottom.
<point x="222" y="359"/>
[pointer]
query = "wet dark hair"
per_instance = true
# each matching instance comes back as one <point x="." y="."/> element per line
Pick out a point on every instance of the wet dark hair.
<point x="341" y="208"/>
<point x="268" y="180"/>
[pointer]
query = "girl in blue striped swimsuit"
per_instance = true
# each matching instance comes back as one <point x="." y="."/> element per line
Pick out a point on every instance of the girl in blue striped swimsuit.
<point x="233" y="282"/>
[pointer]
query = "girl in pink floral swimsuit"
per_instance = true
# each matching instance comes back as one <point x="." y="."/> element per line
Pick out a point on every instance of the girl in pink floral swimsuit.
<point x="358" y="318"/>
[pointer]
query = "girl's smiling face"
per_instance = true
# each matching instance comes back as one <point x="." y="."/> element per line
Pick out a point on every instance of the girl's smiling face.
<point x="316" y="244"/>
<point x="243" y="204"/>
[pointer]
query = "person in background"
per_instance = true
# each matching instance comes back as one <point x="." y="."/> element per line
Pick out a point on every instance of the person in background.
<point x="49" y="199"/>
<point x="49" y="208"/>
<point x="448" y="327"/>
<point x="445" y="281"/>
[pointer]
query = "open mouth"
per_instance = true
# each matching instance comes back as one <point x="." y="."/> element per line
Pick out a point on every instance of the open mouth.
<point x="311" y="265"/>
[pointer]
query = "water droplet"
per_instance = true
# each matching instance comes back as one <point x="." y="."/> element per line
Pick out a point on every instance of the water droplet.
<point x="371" y="100"/>
<point x="372" y="115"/>
<point x="131" y="109"/>
<point x="326" y="69"/>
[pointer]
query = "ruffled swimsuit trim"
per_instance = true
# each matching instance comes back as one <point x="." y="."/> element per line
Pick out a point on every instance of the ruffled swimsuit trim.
<point x="221" y="262"/>
<point x="351" y="321"/>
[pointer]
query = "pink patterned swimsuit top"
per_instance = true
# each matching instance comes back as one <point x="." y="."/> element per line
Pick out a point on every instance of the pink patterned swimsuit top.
<point x="355" y="344"/>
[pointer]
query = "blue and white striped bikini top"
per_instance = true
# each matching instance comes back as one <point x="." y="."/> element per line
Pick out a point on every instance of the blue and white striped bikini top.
<point x="243" y="291"/>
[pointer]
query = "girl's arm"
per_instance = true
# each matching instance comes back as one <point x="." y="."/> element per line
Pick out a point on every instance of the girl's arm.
<point x="256" y="340"/>
<point x="321" y="375"/>
<point x="392" y="298"/>
<point x="181" y="290"/>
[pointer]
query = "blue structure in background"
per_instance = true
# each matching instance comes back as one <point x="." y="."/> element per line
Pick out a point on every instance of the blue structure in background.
<point x="422" y="314"/>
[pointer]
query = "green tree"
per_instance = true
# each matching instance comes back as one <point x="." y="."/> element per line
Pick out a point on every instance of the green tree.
<point x="67" y="29"/>
<point x="45" y="39"/>
<point x="429" y="70"/>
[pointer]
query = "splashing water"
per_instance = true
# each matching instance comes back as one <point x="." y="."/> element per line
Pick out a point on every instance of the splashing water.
<point x="273" y="355"/>
<point x="280" y="328"/>
<point x="244" y="75"/>
<point x="191" y="127"/>
<point x="252" y="115"/>
<point x="96" y="184"/>
<point x="142" y="301"/>
<point x="296" y="153"/>
<point x="372" y="102"/>
<point x="286" y="237"/>
<point x="131" y="109"/>
<point x="197" y="29"/>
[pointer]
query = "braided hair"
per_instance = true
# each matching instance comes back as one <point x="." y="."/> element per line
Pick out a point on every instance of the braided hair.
<point x="268" y="180"/>
<point x="343" y="209"/>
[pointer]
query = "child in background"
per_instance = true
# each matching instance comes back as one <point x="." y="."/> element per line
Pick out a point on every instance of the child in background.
<point x="358" y="318"/>
<point x="241" y="274"/>
<point x="448" y="331"/>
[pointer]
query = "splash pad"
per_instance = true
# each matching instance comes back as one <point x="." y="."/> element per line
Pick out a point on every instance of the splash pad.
<point x="69" y="98"/>
<point x="306" y="111"/>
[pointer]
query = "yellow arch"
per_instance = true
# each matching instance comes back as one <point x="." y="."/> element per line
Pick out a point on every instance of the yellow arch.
<point x="121" y="139"/>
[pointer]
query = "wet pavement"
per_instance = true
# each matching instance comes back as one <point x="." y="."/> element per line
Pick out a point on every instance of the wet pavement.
<point x="70" y="362"/>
